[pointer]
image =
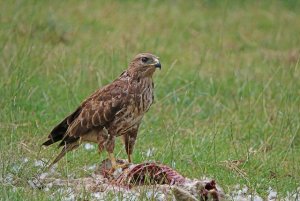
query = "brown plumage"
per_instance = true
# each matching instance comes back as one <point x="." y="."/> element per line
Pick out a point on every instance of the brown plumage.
<point x="113" y="110"/>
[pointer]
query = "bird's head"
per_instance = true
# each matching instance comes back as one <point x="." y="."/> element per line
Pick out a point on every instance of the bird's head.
<point x="144" y="65"/>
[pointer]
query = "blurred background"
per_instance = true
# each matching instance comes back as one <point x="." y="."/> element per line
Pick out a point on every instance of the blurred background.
<point x="226" y="100"/>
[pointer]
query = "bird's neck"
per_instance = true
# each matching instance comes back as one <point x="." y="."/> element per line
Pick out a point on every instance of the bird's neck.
<point x="140" y="76"/>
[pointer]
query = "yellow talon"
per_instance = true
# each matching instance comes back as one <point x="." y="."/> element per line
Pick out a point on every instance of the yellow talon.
<point x="114" y="164"/>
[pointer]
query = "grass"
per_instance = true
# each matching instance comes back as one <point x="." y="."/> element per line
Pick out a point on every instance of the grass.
<point x="228" y="90"/>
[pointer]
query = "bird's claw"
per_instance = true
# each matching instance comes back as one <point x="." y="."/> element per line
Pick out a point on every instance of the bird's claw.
<point x="120" y="166"/>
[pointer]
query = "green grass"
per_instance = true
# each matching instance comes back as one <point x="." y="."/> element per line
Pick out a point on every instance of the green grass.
<point x="229" y="88"/>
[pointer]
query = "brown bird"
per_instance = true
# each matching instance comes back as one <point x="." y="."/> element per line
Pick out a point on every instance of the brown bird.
<point x="114" y="110"/>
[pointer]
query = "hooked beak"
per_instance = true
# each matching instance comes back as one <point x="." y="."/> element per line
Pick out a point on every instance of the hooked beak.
<point x="157" y="64"/>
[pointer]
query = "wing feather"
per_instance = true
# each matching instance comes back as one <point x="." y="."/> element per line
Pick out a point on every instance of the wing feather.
<point x="99" y="110"/>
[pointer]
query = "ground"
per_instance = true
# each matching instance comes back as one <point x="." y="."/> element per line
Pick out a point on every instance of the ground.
<point x="226" y="100"/>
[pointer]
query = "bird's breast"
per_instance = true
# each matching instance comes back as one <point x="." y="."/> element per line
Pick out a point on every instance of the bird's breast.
<point x="138" y="104"/>
<point x="144" y="96"/>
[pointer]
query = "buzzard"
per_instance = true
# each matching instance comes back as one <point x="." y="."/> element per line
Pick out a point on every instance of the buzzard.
<point x="114" y="110"/>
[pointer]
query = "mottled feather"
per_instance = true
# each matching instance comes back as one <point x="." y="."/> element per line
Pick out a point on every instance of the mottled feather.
<point x="114" y="110"/>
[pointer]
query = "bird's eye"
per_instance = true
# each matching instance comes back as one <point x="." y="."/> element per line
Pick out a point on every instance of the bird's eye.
<point x="144" y="59"/>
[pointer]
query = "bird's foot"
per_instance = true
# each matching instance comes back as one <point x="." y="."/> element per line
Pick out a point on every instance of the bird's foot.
<point x="120" y="165"/>
<point x="116" y="164"/>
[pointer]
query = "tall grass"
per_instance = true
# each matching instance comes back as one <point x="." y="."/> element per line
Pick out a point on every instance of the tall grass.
<point x="227" y="97"/>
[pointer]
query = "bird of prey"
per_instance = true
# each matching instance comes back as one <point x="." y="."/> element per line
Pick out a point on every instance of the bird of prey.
<point x="114" y="110"/>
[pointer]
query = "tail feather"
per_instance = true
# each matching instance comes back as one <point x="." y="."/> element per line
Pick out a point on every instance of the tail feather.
<point x="65" y="149"/>
<point x="58" y="133"/>
<point x="68" y="140"/>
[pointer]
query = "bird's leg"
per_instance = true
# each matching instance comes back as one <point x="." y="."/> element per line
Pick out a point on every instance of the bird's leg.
<point x="102" y="139"/>
<point x="101" y="143"/>
<point x="114" y="164"/>
<point x="109" y="146"/>
<point x="113" y="161"/>
<point x="129" y="158"/>
<point x="129" y="141"/>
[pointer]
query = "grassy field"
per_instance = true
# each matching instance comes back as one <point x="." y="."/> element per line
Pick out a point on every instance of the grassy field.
<point x="227" y="98"/>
